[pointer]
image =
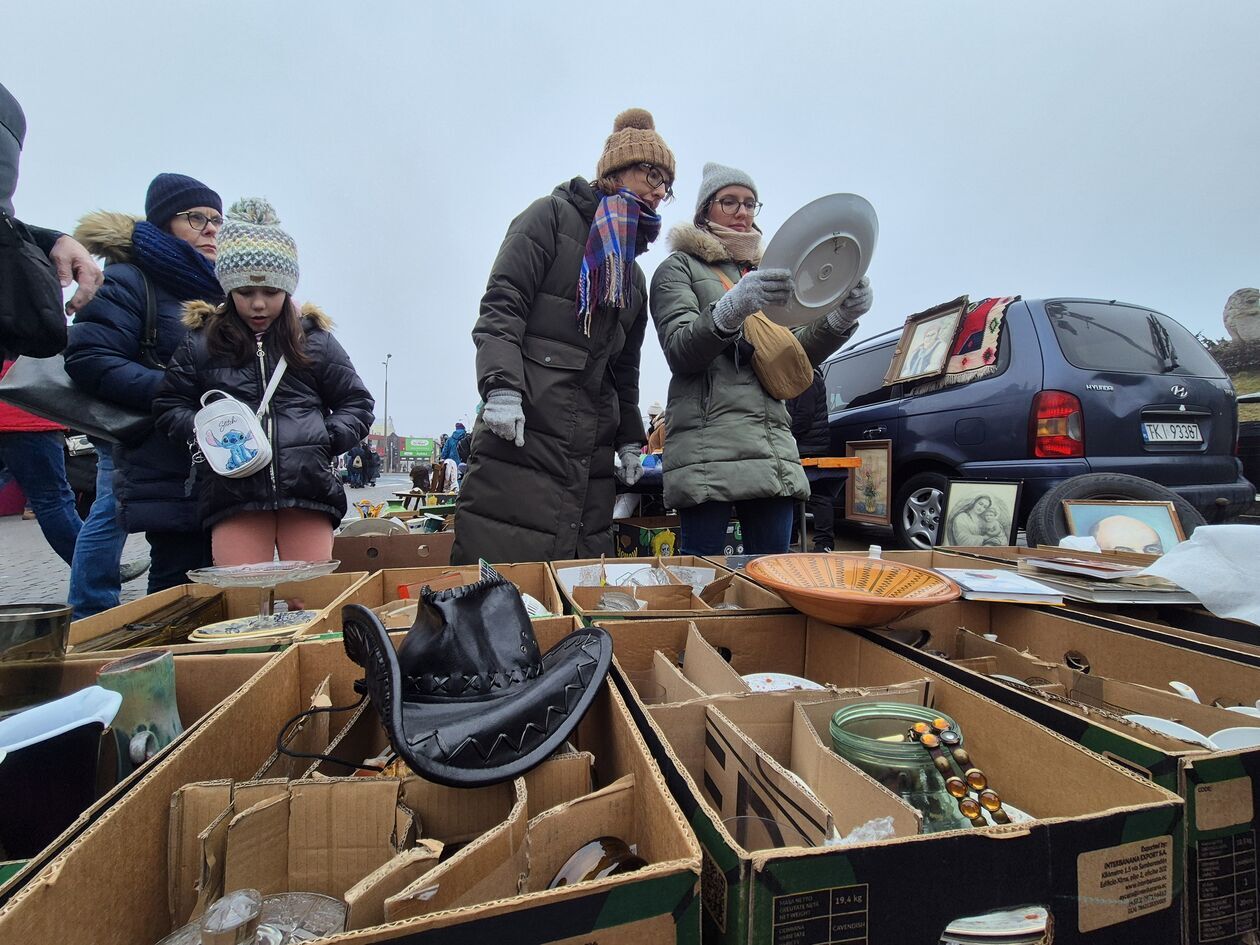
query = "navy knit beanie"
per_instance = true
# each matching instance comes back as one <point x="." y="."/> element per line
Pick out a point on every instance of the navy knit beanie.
<point x="170" y="194"/>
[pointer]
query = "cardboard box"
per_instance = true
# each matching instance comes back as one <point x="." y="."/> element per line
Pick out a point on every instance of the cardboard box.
<point x="1082" y="858"/>
<point x="1106" y="675"/>
<point x="92" y="894"/>
<point x="536" y="580"/>
<point x="202" y="683"/>
<point x="324" y="594"/>
<point x="379" y="552"/>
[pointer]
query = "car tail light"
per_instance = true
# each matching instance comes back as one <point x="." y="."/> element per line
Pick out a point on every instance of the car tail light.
<point x="1057" y="425"/>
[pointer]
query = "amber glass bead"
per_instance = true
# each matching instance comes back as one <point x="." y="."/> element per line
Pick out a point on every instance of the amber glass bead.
<point x="990" y="800"/>
<point x="977" y="780"/>
<point x="957" y="787"/>
<point x="940" y="725"/>
<point x="969" y="807"/>
<point x="930" y="741"/>
<point x="919" y="729"/>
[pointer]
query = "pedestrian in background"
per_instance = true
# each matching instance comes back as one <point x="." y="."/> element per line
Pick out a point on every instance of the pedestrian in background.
<point x="356" y="462"/>
<point x="144" y="486"/>
<point x="450" y="449"/>
<point x="812" y="432"/>
<point x="730" y="442"/>
<point x="558" y="341"/>
<point x="320" y="406"/>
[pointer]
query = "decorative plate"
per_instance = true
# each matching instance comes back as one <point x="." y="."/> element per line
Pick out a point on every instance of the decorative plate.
<point x="266" y="574"/>
<point x="851" y="592"/>
<point x="827" y="245"/>
<point x="247" y="628"/>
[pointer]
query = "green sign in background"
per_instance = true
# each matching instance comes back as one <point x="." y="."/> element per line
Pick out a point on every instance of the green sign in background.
<point x="418" y="447"/>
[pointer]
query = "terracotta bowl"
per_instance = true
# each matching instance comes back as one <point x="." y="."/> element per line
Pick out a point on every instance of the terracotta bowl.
<point x="851" y="592"/>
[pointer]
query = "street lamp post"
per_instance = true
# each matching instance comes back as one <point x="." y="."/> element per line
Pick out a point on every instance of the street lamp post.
<point x="389" y="453"/>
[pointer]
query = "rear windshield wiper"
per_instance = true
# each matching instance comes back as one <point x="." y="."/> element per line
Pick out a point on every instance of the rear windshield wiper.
<point x="1163" y="344"/>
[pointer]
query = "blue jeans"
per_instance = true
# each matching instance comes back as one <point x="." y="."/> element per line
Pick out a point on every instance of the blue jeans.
<point x="94" y="579"/>
<point x="766" y="524"/>
<point x="38" y="462"/>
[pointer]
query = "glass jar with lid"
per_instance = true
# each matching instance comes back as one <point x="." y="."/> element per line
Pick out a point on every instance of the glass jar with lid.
<point x="873" y="736"/>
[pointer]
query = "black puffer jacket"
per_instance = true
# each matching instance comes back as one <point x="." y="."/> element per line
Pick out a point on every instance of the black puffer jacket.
<point x="316" y="414"/>
<point x="809" y="419"/>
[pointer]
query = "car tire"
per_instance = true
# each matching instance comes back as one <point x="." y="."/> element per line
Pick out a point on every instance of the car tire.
<point x="917" y="510"/>
<point x="1047" y="525"/>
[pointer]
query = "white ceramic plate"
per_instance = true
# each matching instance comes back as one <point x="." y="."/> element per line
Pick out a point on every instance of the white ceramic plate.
<point x="827" y="245"/>
<point x="777" y="682"/>
<point x="1244" y="710"/>
<point x="1243" y="736"/>
<point x="1173" y="729"/>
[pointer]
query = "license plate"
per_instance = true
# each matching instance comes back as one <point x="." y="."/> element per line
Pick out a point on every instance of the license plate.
<point x="1171" y="433"/>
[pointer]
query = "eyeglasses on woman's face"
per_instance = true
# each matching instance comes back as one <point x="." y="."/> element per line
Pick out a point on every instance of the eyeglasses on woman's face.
<point x="731" y="205"/>
<point x="658" y="178"/>
<point x="199" y="221"/>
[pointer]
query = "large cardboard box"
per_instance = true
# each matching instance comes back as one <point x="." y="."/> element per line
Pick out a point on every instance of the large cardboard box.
<point x="1098" y="828"/>
<point x="324" y="594"/>
<point x="1092" y="676"/>
<point x="381" y="588"/>
<point x="378" y="552"/>
<point x="112" y="885"/>
<point x="202" y="683"/>
<point x="727" y="590"/>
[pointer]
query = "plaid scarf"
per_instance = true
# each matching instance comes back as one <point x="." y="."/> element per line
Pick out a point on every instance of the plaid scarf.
<point x="174" y="264"/>
<point x="622" y="228"/>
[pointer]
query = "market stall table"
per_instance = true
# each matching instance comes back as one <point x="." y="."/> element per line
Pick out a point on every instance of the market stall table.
<point x="824" y="469"/>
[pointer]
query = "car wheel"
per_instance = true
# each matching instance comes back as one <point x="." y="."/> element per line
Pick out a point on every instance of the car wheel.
<point x="1047" y="525"/>
<point x="917" y="510"/>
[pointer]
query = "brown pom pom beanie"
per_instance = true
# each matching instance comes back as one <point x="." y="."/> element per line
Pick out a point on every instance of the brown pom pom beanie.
<point x="634" y="140"/>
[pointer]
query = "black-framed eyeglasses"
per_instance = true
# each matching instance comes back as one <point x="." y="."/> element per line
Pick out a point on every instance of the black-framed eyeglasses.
<point x="199" y="221"/>
<point x="731" y="205"/>
<point x="658" y="178"/>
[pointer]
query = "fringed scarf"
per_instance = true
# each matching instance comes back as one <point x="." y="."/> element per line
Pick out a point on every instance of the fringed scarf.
<point x="174" y="264"/>
<point x="623" y="227"/>
<point x="743" y="247"/>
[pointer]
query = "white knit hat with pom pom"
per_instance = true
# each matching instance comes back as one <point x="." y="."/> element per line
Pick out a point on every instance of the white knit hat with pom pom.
<point x="634" y="140"/>
<point x="253" y="250"/>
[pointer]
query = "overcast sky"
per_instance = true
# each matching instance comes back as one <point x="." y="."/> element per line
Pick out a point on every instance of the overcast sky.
<point x="1076" y="148"/>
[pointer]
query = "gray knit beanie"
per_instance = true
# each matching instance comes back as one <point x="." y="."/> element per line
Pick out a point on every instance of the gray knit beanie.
<point x="254" y="251"/>
<point x="717" y="176"/>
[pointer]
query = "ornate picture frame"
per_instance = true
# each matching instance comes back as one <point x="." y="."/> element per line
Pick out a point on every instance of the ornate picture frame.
<point x="868" y="489"/>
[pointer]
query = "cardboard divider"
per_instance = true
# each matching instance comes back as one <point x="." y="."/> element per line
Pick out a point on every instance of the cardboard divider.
<point x="552" y="836"/>
<point x="90" y="877"/>
<point x="662" y="600"/>
<point x="372" y="553"/>
<point x="324" y="594"/>
<point x="1089" y="816"/>
<point x="710" y="673"/>
<point x="365" y="901"/>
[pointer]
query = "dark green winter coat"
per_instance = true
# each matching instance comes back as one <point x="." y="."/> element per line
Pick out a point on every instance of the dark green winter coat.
<point x="552" y="498"/>
<point x="726" y="439"/>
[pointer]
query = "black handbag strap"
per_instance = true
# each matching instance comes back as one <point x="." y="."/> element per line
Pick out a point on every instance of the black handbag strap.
<point x="148" y="337"/>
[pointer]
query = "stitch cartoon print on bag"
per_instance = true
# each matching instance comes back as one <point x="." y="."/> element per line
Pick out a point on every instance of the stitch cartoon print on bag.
<point x="234" y="441"/>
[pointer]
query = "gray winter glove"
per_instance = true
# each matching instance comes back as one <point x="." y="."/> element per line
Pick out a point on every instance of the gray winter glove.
<point x="755" y="291"/>
<point x="631" y="469"/>
<point x="856" y="304"/>
<point x="503" y="415"/>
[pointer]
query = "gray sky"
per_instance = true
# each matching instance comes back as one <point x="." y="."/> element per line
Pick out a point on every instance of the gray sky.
<point x="1097" y="149"/>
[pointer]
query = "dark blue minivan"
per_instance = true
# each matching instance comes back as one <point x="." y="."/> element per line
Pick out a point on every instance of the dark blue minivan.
<point x="1080" y="386"/>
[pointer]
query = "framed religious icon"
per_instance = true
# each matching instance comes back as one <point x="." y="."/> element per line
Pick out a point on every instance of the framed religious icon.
<point x="980" y="513"/>
<point x="926" y="340"/>
<point x="868" y="491"/>
<point x="1144" y="527"/>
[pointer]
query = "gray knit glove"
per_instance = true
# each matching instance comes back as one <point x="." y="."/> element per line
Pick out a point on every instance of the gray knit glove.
<point x="503" y="415"/>
<point x="631" y="469"/>
<point x="856" y="304"/>
<point x="755" y="291"/>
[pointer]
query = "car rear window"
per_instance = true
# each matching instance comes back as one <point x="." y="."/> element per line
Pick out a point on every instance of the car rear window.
<point x="854" y="375"/>
<point x="1097" y="336"/>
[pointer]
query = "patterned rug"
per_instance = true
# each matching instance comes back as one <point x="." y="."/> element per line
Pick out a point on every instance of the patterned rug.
<point x="975" y="350"/>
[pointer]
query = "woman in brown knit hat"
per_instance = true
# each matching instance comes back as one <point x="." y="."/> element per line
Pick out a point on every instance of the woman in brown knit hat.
<point x="558" y="340"/>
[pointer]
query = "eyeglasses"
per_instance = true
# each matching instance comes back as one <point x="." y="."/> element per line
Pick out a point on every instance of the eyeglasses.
<point x="658" y="178"/>
<point x="199" y="221"/>
<point x="731" y="205"/>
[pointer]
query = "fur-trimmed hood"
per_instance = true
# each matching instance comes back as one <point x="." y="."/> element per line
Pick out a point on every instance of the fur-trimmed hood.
<point x="692" y="240"/>
<point x="197" y="313"/>
<point x="107" y="234"/>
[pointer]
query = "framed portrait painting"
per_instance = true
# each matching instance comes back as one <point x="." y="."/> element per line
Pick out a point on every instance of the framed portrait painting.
<point x="926" y="340"/>
<point x="980" y="513"/>
<point x="868" y="491"/>
<point x="1144" y="527"/>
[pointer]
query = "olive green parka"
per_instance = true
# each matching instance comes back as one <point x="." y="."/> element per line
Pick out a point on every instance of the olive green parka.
<point x="726" y="439"/>
<point x="551" y="499"/>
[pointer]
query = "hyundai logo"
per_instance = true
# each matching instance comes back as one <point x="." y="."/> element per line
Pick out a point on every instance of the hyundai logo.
<point x="1179" y="391"/>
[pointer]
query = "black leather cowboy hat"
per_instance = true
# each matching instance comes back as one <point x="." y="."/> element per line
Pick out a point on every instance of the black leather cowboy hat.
<point x="469" y="699"/>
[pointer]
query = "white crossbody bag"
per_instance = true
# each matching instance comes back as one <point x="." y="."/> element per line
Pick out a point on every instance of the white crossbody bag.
<point x="230" y="436"/>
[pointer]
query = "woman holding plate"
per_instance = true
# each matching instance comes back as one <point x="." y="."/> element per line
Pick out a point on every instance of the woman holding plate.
<point x="728" y="441"/>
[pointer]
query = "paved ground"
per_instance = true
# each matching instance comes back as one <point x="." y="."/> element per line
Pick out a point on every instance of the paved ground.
<point x="31" y="573"/>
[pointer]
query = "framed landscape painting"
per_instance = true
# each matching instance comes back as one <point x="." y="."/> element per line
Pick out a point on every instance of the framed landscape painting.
<point x="867" y="494"/>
